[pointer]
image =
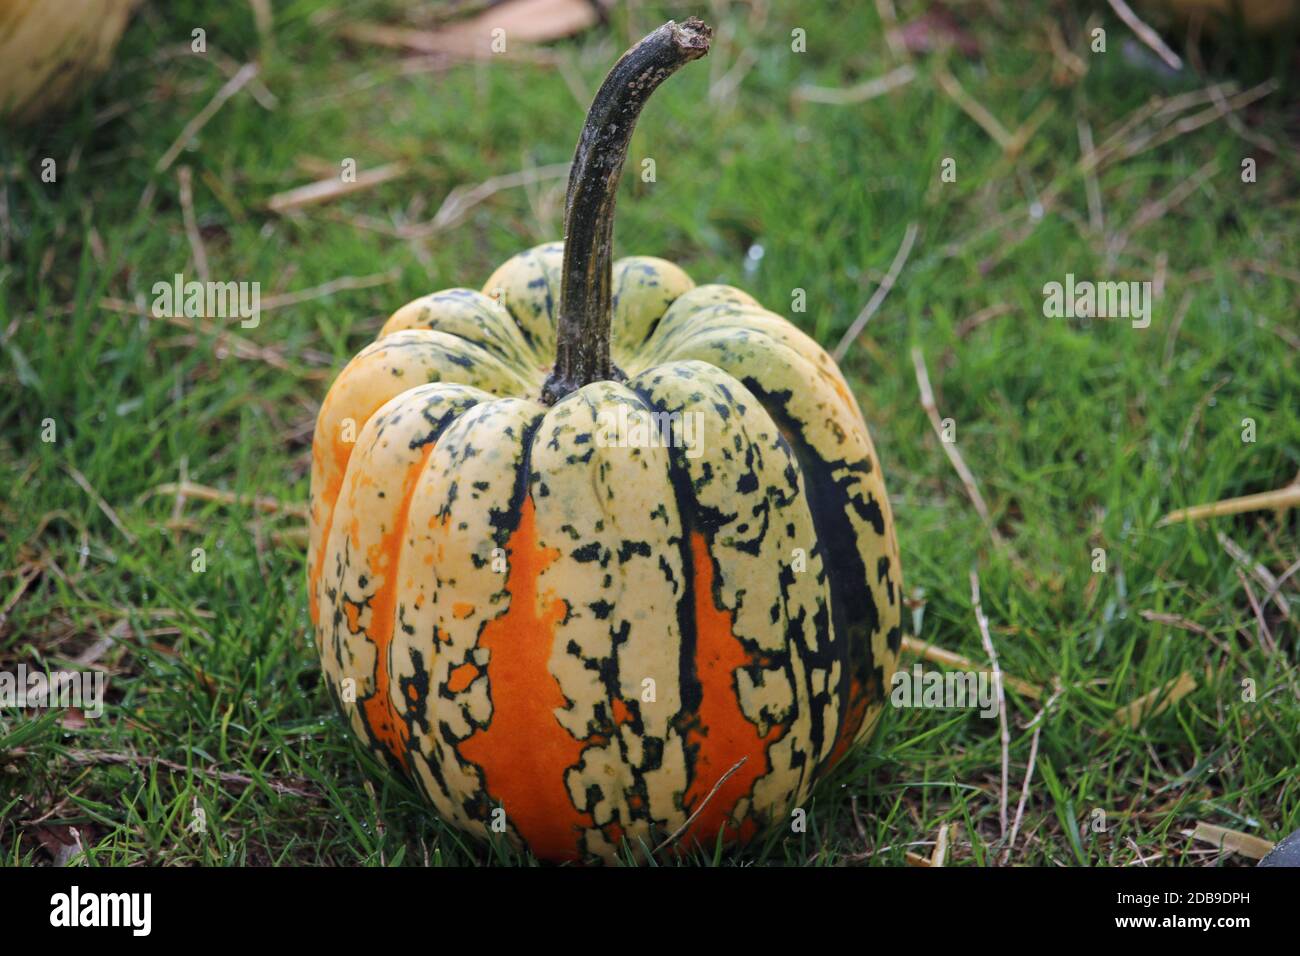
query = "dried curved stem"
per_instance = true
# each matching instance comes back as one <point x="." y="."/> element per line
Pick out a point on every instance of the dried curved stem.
<point x="582" y="346"/>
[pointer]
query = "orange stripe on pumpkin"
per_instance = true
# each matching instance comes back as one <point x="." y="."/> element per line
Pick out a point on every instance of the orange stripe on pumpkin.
<point x="855" y="713"/>
<point x="461" y="677"/>
<point x="382" y="559"/>
<point x="620" y="710"/>
<point x="352" y="611"/>
<point x="524" y="752"/>
<point x="722" y="734"/>
<point x="340" y="452"/>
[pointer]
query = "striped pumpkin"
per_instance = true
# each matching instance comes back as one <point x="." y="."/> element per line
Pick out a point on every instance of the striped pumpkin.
<point x="557" y="607"/>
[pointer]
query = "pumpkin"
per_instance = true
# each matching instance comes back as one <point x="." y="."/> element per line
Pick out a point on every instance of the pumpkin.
<point x="597" y="553"/>
<point x="50" y="49"/>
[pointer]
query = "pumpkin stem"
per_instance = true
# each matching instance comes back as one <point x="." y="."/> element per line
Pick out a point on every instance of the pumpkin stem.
<point x="582" y="336"/>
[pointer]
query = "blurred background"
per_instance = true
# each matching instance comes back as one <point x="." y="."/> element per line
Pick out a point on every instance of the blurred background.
<point x="925" y="168"/>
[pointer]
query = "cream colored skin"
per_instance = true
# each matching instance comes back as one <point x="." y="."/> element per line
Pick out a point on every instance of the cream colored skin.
<point x="412" y="524"/>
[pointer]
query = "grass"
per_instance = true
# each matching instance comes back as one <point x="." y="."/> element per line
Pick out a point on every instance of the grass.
<point x="1080" y="433"/>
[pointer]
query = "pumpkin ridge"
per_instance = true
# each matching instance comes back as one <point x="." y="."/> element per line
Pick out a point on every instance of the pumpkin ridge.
<point x="524" y="752"/>
<point x="720" y="728"/>
<point x="628" y="792"/>
<point x="527" y="779"/>
<point x="395" y="364"/>
<point x="380" y="714"/>
<point x="812" y="658"/>
<point x="854" y="614"/>
<point x="583" y="493"/>
<point x="366" y="558"/>
<point x="744" y="348"/>
<point x="711" y="708"/>
<point x="643" y="285"/>
<point x="509" y="286"/>
<point x="468" y="315"/>
<point x="650" y="530"/>
<point x="466" y="505"/>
